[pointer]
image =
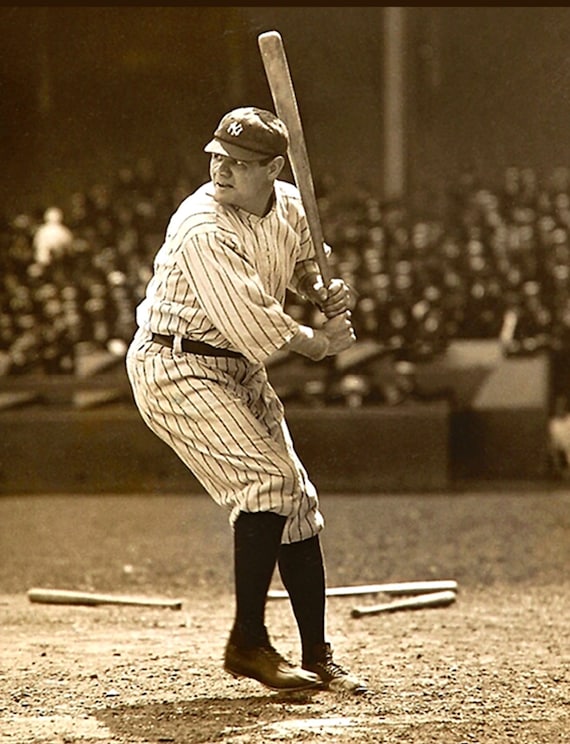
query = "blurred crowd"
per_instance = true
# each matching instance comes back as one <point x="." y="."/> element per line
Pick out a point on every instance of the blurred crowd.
<point x="72" y="275"/>
<point x="494" y="264"/>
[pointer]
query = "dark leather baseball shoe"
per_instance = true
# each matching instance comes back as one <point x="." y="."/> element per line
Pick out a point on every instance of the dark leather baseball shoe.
<point x="266" y="665"/>
<point x="333" y="676"/>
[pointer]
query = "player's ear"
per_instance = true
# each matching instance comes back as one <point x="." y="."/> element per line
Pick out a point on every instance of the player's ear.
<point x="276" y="166"/>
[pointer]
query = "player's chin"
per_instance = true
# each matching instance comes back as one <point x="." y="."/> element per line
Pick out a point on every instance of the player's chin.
<point x="223" y="194"/>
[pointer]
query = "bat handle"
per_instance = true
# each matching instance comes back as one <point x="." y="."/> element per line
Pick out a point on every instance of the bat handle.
<point x="351" y="300"/>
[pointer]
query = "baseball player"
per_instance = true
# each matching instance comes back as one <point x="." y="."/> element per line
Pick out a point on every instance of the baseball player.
<point x="212" y="315"/>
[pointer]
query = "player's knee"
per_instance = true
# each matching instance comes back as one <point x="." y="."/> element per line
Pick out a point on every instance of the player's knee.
<point x="276" y="491"/>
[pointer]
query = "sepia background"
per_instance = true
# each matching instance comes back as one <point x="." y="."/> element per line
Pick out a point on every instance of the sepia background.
<point x="440" y="443"/>
<point x="84" y="88"/>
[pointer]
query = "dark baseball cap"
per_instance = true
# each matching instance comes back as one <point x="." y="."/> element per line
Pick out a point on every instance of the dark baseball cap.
<point x="249" y="133"/>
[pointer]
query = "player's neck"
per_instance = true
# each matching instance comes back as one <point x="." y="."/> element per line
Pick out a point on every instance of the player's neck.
<point x="260" y="207"/>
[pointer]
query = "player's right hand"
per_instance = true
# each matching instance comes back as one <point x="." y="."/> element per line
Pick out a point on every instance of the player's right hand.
<point x="338" y="298"/>
<point x="340" y="333"/>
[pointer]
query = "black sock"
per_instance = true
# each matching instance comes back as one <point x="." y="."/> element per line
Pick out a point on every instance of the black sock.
<point x="257" y="537"/>
<point x="302" y="571"/>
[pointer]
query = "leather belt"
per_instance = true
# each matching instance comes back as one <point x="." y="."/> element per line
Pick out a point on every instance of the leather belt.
<point x="196" y="347"/>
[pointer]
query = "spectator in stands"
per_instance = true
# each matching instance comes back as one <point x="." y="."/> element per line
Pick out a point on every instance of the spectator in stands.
<point x="52" y="239"/>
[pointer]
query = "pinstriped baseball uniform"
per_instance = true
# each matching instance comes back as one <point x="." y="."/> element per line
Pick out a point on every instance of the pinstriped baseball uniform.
<point x="220" y="277"/>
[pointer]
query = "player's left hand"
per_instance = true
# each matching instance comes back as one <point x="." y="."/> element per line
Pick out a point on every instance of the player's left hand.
<point x="316" y="292"/>
<point x="339" y="298"/>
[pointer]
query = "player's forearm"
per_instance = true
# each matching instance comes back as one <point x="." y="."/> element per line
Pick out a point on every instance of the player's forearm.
<point x="307" y="274"/>
<point x="309" y="342"/>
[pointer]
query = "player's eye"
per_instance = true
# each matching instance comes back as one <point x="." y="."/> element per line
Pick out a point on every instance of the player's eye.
<point x="231" y="162"/>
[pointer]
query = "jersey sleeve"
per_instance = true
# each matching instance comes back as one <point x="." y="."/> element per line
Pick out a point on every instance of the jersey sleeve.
<point x="230" y="293"/>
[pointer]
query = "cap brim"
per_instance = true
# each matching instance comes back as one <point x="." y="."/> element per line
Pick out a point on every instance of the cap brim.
<point x="233" y="151"/>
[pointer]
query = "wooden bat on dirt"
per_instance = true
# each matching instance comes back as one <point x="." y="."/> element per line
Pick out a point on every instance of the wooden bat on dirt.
<point x="432" y="599"/>
<point x="64" y="596"/>
<point x="398" y="588"/>
<point x="283" y="93"/>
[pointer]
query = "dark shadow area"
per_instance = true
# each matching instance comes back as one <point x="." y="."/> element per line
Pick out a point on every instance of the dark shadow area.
<point x="203" y="719"/>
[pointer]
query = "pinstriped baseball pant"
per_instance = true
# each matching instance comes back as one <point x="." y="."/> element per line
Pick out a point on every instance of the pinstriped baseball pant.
<point x="224" y="420"/>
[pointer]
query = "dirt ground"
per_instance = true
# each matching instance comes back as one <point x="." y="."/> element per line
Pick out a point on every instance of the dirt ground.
<point x="494" y="666"/>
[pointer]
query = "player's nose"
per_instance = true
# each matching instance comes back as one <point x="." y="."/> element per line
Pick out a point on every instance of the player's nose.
<point x="222" y="167"/>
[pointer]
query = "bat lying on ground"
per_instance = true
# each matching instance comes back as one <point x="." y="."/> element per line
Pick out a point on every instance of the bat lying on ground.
<point x="433" y="599"/>
<point x="64" y="596"/>
<point x="400" y="588"/>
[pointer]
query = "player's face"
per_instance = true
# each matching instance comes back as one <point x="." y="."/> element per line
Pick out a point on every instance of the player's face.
<point x="245" y="184"/>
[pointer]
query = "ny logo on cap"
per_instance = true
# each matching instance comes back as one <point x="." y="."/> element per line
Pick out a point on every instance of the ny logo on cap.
<point x="235" y="128"/>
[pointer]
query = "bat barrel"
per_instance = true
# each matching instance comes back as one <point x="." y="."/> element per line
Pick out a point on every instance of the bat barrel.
<point x="276" y="67"/>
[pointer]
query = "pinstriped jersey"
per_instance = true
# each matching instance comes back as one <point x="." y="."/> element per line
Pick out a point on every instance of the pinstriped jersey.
<point x="222" y="273"/>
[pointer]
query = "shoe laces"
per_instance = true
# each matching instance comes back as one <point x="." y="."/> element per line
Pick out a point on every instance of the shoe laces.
<point x="334" y="669"/>
<point x="330" y="666"/>
<point x="274" y="655"/>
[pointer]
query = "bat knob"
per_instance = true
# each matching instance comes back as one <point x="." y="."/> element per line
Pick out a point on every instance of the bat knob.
<point x="269" y="36"/>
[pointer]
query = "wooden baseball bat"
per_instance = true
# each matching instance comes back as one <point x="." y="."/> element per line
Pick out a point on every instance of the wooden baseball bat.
<point x="399" y="588"/>
<point x="64" y="596"/>
<point x="432" y="599"/>
<point x="278" y="75"/>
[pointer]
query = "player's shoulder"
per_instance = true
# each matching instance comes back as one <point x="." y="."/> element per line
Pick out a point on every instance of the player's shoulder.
<point x="289" y="202"/>
<point x="200" y="204"/>
<point x="200" y="216"/>
<point x="288" y="192"/>
<point x="196" y="213"/>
